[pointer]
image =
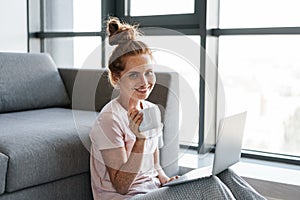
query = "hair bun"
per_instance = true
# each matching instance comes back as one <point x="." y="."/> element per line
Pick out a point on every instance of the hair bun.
<point x="120" y="32"/>
<point x="113" y="26"/>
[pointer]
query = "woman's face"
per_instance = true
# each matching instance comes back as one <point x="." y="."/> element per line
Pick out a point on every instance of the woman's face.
<point x="137" y="79"/>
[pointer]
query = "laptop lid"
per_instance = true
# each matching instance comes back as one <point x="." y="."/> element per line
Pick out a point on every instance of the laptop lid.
<point x="227" y="152"/>
<point x="229" y="142"/>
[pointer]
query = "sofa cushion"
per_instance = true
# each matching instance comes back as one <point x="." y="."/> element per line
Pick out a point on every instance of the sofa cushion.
<point x="3" y="168"/>
<point x="44" y="145"/>
<point x="29" y="81"/>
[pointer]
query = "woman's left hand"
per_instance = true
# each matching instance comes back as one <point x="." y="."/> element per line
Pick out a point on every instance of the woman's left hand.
<point x="166" y="179"/>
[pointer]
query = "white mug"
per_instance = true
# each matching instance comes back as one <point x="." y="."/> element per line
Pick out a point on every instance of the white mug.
<point x="151" y="118"/>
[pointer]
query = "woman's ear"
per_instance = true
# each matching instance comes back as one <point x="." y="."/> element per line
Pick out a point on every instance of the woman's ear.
<point x="117" y="83"/>
<point x="116" y="79"/>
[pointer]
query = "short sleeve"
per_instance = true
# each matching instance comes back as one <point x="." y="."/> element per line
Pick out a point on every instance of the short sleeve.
<point x="106" y="132"/>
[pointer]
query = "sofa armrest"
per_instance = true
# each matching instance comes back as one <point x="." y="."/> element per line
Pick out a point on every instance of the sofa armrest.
<point x="167" y="90"/>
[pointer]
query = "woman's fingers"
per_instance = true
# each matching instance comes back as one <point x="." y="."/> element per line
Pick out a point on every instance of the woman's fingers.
<point x="139" y="119"/>
<point x="173" y="178"/>
<point x="135" y="120"/>
<point x="136" y="117"/>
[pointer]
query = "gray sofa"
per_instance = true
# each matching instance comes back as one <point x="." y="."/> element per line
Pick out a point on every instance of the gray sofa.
<point x="45" y="118"/>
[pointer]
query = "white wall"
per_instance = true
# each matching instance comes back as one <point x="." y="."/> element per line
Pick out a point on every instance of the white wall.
<point x="13" y="26"/>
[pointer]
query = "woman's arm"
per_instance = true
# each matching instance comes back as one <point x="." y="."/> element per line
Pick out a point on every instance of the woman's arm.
<point x="163" y="178"/>
<point x="122" y="170"/>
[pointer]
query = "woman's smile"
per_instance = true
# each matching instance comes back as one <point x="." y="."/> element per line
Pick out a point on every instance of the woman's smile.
<point x="144" y="90"/>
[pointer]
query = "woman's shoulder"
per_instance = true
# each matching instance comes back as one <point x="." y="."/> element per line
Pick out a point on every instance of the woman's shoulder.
<point x="111" y="107"/>
<point x="112" y="110"/>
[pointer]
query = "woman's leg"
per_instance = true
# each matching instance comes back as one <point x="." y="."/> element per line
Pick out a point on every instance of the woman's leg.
<point x="205" y="188"/>
<point x="238" y="186"/>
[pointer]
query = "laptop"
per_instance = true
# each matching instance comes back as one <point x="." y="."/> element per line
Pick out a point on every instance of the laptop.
<point x="227" y="151"/>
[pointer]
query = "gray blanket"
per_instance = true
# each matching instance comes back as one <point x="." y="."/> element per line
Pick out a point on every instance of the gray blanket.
<point x="226" y="185"/>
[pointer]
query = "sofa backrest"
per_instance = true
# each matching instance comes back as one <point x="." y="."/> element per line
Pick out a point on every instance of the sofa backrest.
<point x="30" y="81"/>
<point x="90" y="89"/>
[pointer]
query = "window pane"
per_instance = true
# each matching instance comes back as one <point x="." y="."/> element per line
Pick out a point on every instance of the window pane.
<point x="69" y="15"/>
<point x="258" y="13"/>
<point x="158" y="7"/>
<point x="261" y="75"/>
<point x="75" y="52"/>
<point x="87" y="15"/>
<point x="170" y="59"/>
<point x="13" y="34"/>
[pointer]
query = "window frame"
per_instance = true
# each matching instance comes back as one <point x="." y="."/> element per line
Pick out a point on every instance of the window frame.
<point x="217" y="32"/>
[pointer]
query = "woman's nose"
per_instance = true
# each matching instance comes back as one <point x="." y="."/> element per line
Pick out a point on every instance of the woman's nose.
<point x="144" y="80"/>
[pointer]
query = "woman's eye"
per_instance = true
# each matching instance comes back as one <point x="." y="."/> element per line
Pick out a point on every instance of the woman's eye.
<point x="149" y="73"/>
<point x="133" y="75"/>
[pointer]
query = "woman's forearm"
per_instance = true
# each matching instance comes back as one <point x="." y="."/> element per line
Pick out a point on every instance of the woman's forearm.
<point x="125" y="176"/>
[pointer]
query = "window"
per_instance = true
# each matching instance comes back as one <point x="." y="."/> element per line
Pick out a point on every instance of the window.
<point x="257" y="13"/>
<point x="69" y="31"/>
<point x="188" y="83"/>
<point x="174" y="14"/>
<point x="260" y="71"/>
<point x="261" y="75"/>
<point x="77" y="52"/>
<point x="87" y="15"/>
<point x="158" y="7"/>
<point x="13" y="34"/>
<point x="87" y="52"/>
<point x="77" y="15"/>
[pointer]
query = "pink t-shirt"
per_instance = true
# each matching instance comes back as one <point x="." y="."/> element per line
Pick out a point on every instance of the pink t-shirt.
<point x="111" y="130"/>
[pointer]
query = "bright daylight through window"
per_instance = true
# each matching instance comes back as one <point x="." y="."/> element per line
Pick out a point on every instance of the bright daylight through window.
<point x="261" y="73"/>
<point x="262" y="76"/>
<point x="147" y="8"/>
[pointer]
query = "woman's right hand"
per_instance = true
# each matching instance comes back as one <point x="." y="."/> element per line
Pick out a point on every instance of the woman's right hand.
<point x="135" y="119"/>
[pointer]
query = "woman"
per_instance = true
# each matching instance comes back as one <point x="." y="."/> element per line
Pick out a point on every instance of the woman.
<point x="125" y="161"/>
